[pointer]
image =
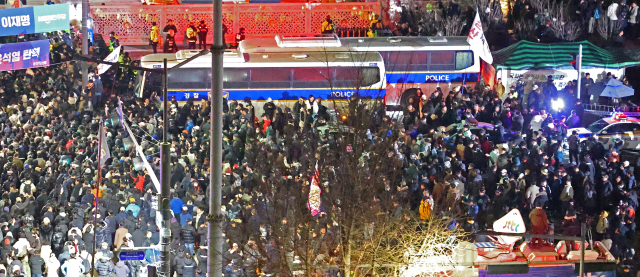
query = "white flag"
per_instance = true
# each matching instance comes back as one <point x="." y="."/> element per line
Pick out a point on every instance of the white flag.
<point x="478" y="42"/>
<point x="113" y="57"/>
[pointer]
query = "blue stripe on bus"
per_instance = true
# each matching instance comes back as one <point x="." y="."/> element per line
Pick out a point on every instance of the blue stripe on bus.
<point x="398" y="77"/>
<point x="277" y="94"/>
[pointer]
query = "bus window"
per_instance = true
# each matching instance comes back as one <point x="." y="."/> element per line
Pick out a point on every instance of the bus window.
<point x="189" y="78"/>
<point x="236" y="78"/>
<point x="464" y="59"/>
<point x="269" y="77"/>
<point x="311" y="77"/>
<point x="408" y="61"/>
<point x="441" y="60"/>
<point x="152" y="82"/>
<point x="356" y="76"/>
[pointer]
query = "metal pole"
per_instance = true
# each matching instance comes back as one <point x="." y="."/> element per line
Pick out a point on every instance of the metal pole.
<point x="215" y="219"/>
<point x="95" y="208"/>
<point x="579" y="66"/>
<point x="583" y="234"/>
<point x="165" y="178"/>
<point x="85" y="42"/>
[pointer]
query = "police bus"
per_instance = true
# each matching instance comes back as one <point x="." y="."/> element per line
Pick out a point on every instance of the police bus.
<point x="411" y="63"/>
<point x="275" y="76"/>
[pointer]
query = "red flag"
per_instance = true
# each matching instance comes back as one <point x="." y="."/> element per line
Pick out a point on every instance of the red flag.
<point x="488" y="72"/>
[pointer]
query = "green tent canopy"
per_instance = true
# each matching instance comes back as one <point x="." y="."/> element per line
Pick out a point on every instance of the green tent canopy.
<point x="526" y="55"/>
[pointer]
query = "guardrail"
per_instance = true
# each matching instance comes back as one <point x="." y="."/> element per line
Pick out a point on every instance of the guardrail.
<point x="608" y="110"/>
<point x="132" y="23"/>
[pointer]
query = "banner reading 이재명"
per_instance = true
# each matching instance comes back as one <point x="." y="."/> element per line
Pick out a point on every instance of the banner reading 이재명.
<point x="23" y="55"/>
<point x="38" y="19"/>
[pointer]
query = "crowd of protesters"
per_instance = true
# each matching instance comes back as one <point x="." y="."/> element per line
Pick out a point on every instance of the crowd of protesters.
<point x="49" y="146"/>
<point x="539" y="21"/>
<point x="492" y="173"/>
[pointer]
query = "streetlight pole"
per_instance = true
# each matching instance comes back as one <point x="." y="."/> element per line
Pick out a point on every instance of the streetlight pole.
<point x="85" y="42"/>
<point x="215" y="180"/>
<point x="165" y="178"/>
<point x="583" y="228"/>
<point x="579" y="68"/>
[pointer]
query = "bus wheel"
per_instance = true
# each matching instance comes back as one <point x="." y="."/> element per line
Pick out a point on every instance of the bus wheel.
<point x="409" y="94"/>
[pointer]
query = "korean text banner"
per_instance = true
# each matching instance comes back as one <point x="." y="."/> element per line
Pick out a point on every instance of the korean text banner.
<point x="51" y="18"/>
<point x="23" y="55"/>
<point x="17" y="21"/>
<point x="38" y="19"/>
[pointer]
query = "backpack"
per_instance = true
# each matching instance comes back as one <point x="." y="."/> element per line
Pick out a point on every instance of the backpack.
<point x="596" y="14"/>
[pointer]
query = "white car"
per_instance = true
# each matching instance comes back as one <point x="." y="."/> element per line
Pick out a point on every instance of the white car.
<point x="607" y="129"/>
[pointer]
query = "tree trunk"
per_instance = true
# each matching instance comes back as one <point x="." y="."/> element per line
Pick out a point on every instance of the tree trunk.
<point x="347" y="254"/>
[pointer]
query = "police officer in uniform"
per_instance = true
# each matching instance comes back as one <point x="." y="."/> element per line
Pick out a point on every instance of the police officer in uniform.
<point x="239" y="37"/>
<point x="113" y="41"/>
<point x="170" y="43"/>
<point x="202" y="35"/>
<point x="192" y="35"/>
<point x="327" y="25"/>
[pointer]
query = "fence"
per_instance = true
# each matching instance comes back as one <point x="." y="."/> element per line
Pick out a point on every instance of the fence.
<point x="132" y="23"/>
<point x="605" y="110"/>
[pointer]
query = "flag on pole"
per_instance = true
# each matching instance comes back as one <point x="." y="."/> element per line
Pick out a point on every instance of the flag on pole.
<point x="113" y="57"/>
<point x="104" y="148"/>
<point x="478" y="42"/>
<point x="121" y="114"/>
<point x="314" y="194"/>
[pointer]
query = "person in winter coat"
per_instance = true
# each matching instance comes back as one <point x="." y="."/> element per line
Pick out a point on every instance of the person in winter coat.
<point x="539" y="223"/>
<point x="46" y="230"/>
<point x="52" y="266"/>
<point x="72" y="267"/>
<point x="202" y="256"/>
<point x="178" y="262"/>
<point x="566" y="195"/>
<point x="189" y="235"/>
<point x="103" y="251"/>
<point x="120" y="234"/>
<point x="188" y="267"/>
<point x="37" y="264"/>
<point x="176" y="204"/>
<point x="602" y="227"/>
<point x="121" y="269"/>
<point x="16" y="268"/>
<point x="185" y="215"/>
<point x="531" y="194"/>
<point x="570" y="227"/>
<point x="425" y="208"/>
<point x="133" y="207"/>
<point x="104" y="267"/>
<point x="155" y="37"/>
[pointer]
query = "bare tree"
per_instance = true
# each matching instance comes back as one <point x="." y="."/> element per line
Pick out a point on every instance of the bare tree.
<point x="429" y="25"/>
<point x="413" y="248"/>
<point x="524" y="30"/>
<point x="451" y="26"/>
<point x="607" y="28"/>
<point x="560" y="24"/>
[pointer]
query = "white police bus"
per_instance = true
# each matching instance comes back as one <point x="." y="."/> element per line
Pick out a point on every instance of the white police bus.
<point x="276" y="76"/>
<point x="410" y="62"/>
